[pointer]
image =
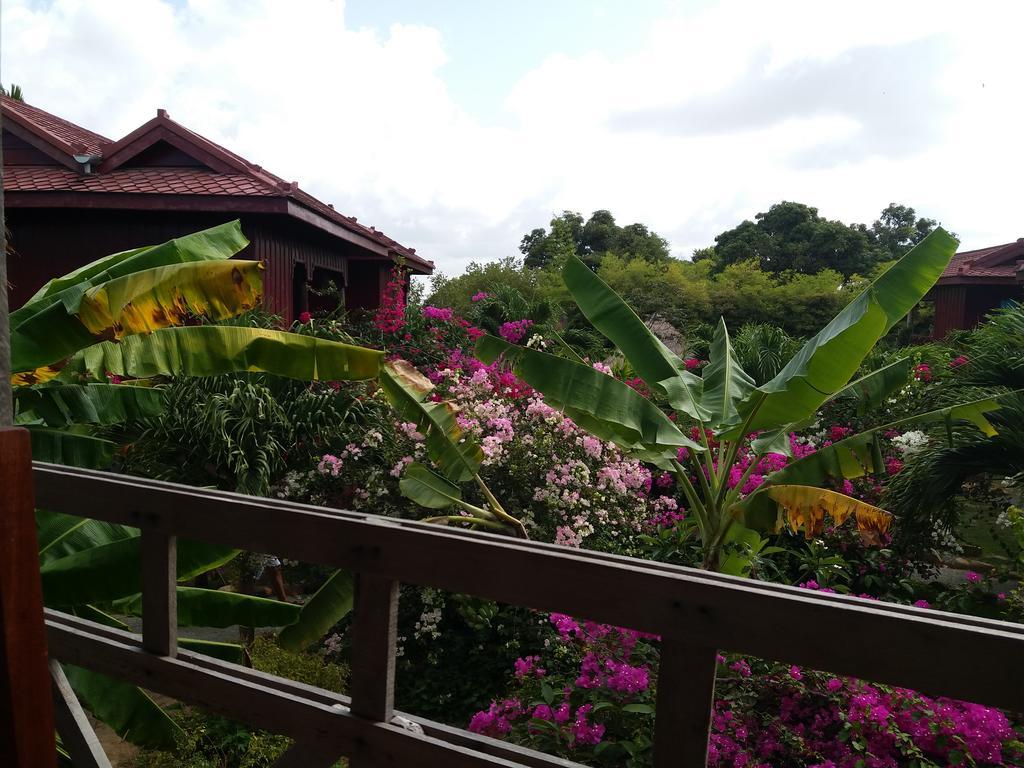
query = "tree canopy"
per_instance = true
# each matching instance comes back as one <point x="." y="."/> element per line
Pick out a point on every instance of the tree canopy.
<point x="591" y="241"/>
<point x="793" y="237"/>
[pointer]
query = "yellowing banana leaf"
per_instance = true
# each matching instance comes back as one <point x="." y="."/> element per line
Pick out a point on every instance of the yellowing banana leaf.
<point x="59" y="405"/>
<point x="655" y="363"/>
<point x="70" y="447"/>
<point x="329" y="605"/>
<point x="726" y="384"/>
<point x="165" y="296"/>
<point x="804" y="507"/>
<point x="597" y="402"/>
<point x="137" y="303"/>
<point x="828" y="360"/>
<point x="220" y="242"/>
<point x="852" y="457"/>
<point x="457" y="456"/>
<point x="208" y="350"/>
<point x="215" y="608"/>
<point x="38" y="376"/>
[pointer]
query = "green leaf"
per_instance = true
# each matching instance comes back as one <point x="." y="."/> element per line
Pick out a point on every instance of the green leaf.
<point x="61" y="534"/>
<point x="872" y="390"/>
<point x="208" y="350"/>
<point x="598" y="403"/>
<point x="72" y="448"/>
<point x="331" y="603"/>
<point x="60" y="405"/>
<point x="457" y="456"/>
<point x="828" y="360"/>
<point x="217" y="608"/>
<point x="215" y="243"/>
<point x="428" y="489"/>
<point x="853" y="457"/>
<point x="112" y="571"/>
<point x="726" y="384"/>
<point x="231" y="652"/>
<point x="129" y="711"/>
<point x="608" y="313"/>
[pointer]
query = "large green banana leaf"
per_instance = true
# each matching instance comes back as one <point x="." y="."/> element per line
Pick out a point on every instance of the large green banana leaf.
<point x="61" y="534"/>
<point x="406" y="389"/>
<point x="208" y="350"/>
<point x="872" y="390"/>
<point x="597" y="402"/>
<point x="71" y="447"/>
<point x="215" y="243"/>
<point x="609" y="314"/>
<point x="128" y="710"/>
<point x="137" y="303"/>
<point x="329" y="605"/>
<point x="214" y="608"/>
<point x="655" y="363"/>
<point x="112" y="571"/>
<point x="726" y="384"/>
<point x="852" y="457"/>
<point x="829" y="359"/>
<point x="428" y="489"/>
<point x="60" y="405"/>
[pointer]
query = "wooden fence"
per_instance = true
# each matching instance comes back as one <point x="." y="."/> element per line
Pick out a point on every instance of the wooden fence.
<point x="695" y="612"/>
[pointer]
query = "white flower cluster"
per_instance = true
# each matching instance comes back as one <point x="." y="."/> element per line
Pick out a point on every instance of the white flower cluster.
<point x="910" y="443"/>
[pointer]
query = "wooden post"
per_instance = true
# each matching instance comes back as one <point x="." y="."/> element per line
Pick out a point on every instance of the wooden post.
<point x="26" y="707"/>
<point x="686" y="695"/>
<point x="159" y="593"/>
<point x="374" y="629"/>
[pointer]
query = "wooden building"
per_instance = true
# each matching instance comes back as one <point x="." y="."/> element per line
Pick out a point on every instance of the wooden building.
<point x="975" y="283"/>
<point x="72" y="195"/>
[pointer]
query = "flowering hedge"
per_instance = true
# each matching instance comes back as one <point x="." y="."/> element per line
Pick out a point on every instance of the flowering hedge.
<point x="589" y="696"/>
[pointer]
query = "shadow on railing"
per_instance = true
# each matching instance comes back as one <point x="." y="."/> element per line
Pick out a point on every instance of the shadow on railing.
<point x="694" y="612"/>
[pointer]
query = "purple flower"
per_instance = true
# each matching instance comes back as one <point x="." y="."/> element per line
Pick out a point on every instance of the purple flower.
<point x="922" y="604"/>
<point x="973" y="577"/>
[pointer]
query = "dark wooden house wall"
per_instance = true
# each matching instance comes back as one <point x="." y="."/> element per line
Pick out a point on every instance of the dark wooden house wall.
<point x="964" y="306"/>
<point x="47" y="243"/>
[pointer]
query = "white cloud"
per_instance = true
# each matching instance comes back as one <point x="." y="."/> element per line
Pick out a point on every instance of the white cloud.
<point x="722" y="112"/>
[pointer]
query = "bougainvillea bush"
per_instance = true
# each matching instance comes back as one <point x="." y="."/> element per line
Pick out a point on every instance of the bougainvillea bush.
<point x="589" y="695"/>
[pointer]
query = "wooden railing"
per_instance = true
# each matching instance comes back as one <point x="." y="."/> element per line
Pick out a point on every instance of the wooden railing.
<point x="694" y="612"/>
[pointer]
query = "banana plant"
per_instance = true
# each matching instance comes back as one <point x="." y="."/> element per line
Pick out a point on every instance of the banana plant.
<point x="89" y="351"/>
<point x="723" y="413"/>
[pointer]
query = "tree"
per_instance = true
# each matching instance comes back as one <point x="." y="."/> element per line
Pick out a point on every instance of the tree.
<point x="898" y="229"/>
<point x="725" y="407"/>
<point x="793" y="237"/>
<point x="14" y="92"/>
<point x="591" y="241"/>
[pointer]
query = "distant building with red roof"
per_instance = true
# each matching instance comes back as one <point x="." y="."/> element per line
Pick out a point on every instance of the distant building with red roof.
<point x="72" y="195"/>
<point x="975" y="283"/>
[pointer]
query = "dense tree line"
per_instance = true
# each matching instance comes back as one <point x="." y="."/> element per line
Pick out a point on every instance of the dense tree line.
<point x="789" y="267"/>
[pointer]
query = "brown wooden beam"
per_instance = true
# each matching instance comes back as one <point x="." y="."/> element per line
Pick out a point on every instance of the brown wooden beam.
<point x="26" y="708"/>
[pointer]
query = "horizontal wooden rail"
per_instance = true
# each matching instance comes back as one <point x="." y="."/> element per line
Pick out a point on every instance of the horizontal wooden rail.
<point x="694" y="611"/>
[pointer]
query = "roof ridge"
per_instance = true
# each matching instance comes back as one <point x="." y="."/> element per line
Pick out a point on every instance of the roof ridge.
<point x="34" y="115"/>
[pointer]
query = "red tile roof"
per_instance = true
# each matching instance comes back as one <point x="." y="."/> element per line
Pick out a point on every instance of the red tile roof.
<point x="60" y="131"/>
<point x="245" y="179"/>
<point x="996" y="262"/>
<point x="175" y="181"/>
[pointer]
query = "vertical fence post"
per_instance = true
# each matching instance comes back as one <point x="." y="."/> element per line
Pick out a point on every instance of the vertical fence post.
<point x="374" y="629"/>
<point x="26" y="706"/>
<point x="159" y="593"/>
<point x="686" y="695"/>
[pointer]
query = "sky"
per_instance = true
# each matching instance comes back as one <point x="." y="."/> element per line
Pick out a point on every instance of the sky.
<point x="456" y="126"/>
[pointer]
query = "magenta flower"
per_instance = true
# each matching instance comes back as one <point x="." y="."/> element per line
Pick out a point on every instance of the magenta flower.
<point x="922" y="604"/>
<point x="479" y="296"/>
<point x="305" y="317"/>
<point x="973" y="577"/>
